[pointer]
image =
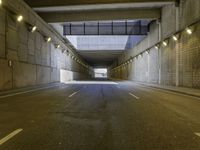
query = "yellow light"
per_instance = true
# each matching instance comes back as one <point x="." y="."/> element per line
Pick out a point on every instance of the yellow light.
<point x="189" y="31"/>
<point x="175" y="38"/>
<point x="0" y="2"/>
<point x="48" y="39"/>
<point x="164" y="43"/>
<point x="33" y="29"/>
<point x="19" y="18"/>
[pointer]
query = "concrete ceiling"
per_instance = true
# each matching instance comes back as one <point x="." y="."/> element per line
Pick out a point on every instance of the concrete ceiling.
<point x="61" y="11"/>
<point x="100" y="15"/>
<point x="51" y="3"/>
<point x="100" y="7"/>
<point x="53" y="11"/>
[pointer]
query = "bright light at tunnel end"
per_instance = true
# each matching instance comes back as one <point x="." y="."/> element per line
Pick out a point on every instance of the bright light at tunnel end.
<point x="91" y="82"/>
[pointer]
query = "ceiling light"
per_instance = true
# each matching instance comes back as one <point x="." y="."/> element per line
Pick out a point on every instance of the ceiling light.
<point x="19" y="18"/>
<point x="189" y="31"/>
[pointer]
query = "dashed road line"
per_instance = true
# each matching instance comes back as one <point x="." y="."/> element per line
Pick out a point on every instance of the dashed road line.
<point x="134" y="96"/>
<point x="197" y="133"/>
<point x="9" y="136"/>
<point x="73" y="94"/>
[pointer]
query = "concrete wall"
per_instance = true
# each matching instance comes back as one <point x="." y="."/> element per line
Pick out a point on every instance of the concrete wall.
<point x="34" y="61"/>
<point x="178" y="64"/>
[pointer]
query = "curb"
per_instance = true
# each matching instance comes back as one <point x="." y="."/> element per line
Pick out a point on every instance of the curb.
<point x="24" y="89"/>
<point x="175" y="91"/>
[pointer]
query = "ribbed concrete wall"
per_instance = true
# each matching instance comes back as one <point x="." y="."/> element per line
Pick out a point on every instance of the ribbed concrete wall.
<point x="178" y="64"/>
<point x="34" y="61"/>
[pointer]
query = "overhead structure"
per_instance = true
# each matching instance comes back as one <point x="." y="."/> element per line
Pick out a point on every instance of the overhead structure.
<point x="124" y="27"/>
<point x="100" y="58"/>
<point x="100" y="15"/>
<point x="53" y="3"/>
<point x="61" y="11"/>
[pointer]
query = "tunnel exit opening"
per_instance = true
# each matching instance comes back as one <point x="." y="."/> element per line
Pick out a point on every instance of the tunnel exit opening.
<point x="101" y="73"/>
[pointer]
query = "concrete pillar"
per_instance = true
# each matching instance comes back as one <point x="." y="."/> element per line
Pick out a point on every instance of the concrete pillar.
<point x="148" y="65"/>
<point x="159" y="50"/>
<point x="148" y="59"/>
<point x="177" y="49"/>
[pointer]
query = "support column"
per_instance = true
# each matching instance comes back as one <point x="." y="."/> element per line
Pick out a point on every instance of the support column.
<point x="159" y="50"/>
<point x="177" y="50"/>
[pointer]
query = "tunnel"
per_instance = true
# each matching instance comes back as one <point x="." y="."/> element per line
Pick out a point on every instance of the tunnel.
<point x="100" y="75"/>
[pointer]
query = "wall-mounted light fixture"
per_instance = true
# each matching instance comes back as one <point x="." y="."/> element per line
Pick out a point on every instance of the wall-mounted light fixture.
<point x="189" y="30"/>
<point x="48" y="39"/>
<point x="10" y="63"/>
<point x="19" y="18"/>
<point x="33" y="29"/>
<point x="58" y="46"/>
<point x="175" y="38"/>
<point x="164" y="43"/>
<point x="156" y="47"/>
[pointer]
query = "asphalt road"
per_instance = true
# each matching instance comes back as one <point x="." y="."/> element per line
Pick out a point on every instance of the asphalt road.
<point x="100" y="116"/>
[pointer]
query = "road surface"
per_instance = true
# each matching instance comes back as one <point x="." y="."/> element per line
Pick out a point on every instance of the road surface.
<point x="99" y="116"/>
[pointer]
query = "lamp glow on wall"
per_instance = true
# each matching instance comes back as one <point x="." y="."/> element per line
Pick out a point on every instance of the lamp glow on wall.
<point x="164" y="43"/>
<point x="189" y="30"/>
<point x="19" y="18"/>
<point x="156" y="47"/>
<point x="175" y="38"/>
<point x="33" y="29"/>
<point x="48" y="39"/>
<point x="0" y="2"/>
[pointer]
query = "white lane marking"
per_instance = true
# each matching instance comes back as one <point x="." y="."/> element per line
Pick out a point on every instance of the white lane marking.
<point x="198" y="134"/>
<point x="73" y="94"/>
<point x="69" y="104"/>
<point x="19" y="93"/>
<point x="134" y="96"/>
<point x="9" y="136"/>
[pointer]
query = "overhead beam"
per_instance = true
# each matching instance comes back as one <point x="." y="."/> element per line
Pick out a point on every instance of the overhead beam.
<point x="51" y="3"/>
<point x="99" y="15"/>
<point x="100" y="58"/>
